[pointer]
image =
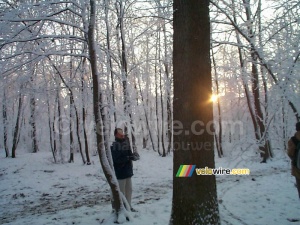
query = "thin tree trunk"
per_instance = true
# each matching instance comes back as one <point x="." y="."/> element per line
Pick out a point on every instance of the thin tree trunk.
<point x="161" y="27"/>
<point x="268" y="148"/>
<point x="162" y="117"/>
<point x="157" y="115"/>
<point x="145" y="102"/>
<point x="97" y="100"/>
<point x="146" y="115"/>
<point x="247" y="92"/>
<point x="124" y="70"/>
<point x="33" y="124"/>
<point x="284" y="130"/>
<point x="259" y="116"/>
<point x="168" y="81"/>
<point x="55" y="129"/>
<point x="78" y="132"/>
<point x="51" y="135"/>
<point x="109" y="60"/>
<point x="156" y="93"/>
<point x="246" y="87"/>
<point x="218" y="137"/>
<point x="17" y="126"/>
<point x="168" y="92"/>
<point x="72" y="102"/>
<point x="60" y="125"/>
<point x="71" y="159"/>
<point x="86" y="145"/>
<point x="4" y="117"/>
<point x="32" y="120"/>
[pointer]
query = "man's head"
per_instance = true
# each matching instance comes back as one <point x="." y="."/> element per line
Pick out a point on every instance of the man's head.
<point x="298" y="126"/>
<point x="119" y="133"/>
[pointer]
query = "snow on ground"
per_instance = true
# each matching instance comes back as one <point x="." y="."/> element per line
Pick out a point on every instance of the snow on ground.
<point x="35" y="191"/>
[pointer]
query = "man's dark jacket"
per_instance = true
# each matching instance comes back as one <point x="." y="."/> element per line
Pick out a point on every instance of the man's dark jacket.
<point x="121" y="154"/>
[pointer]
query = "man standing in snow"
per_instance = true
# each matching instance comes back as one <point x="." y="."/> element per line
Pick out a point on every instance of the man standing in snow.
<point x="122" y="159"/>
<point x="293" y="142"/>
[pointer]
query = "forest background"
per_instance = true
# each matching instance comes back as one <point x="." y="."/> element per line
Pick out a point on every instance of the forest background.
<point x="47" y="87"/>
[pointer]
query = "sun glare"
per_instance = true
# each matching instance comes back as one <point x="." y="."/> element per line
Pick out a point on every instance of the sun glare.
<point x="214" y="98"/>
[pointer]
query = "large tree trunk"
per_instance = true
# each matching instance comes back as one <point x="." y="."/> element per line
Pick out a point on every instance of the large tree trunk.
<point x="194" y="198"/>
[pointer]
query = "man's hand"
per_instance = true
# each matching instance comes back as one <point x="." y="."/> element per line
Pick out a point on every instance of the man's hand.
<point x="134" y="157"/>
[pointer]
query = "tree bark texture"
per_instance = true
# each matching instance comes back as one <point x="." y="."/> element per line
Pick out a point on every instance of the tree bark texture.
<point x="194" y="198"/>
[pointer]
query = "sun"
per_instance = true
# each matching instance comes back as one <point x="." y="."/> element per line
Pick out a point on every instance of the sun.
<point x="214" y="98"/>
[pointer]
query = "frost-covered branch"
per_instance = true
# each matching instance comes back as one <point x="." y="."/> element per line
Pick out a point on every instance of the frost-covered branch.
<point x="45" y="54"/>
<point x="43" y="37"/>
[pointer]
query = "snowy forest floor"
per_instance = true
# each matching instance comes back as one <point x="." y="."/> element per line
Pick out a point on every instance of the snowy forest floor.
<point x="35" y="191"/>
